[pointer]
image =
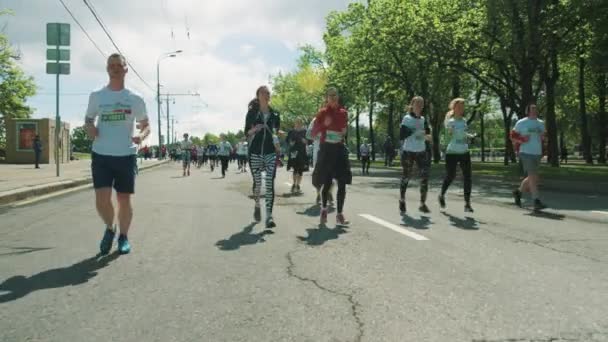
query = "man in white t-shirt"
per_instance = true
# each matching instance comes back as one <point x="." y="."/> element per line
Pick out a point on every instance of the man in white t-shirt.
<point x="364" y="151"/>
<point x="527" y="136"/>
<point x="114" y="162"/>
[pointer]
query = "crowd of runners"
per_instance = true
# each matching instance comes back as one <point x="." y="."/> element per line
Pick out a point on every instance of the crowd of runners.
<point x="319" y="147"/>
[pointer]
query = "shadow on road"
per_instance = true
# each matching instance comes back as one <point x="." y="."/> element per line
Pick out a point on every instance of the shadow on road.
<point x="242" y="238"/>
<point x="423" y="223"/>
<point x="23" y="250"/>
<point x="77" y="274"/>
<point x="318" y="236"/>
<point x="315" y="211"/>
<point x="468" y="223"/>
<point x="546" y="215"/>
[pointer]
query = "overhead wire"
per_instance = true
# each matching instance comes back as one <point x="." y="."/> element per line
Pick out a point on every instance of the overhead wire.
<point x="106" y="31"/>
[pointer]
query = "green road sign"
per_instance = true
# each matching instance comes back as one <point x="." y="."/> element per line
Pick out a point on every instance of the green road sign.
<point x="58" y="34"/>
<point x="64" y="54"/>
<point x="58" y="68"/>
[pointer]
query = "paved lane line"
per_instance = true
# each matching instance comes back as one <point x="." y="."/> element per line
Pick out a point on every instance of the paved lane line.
<point x="394" y="227"/>
<point x="600" y="212"/>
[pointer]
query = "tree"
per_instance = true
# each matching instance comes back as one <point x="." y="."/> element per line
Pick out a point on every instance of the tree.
<point x="299" y="94"/>
<point x="15" y="87"/>
<point x="81" y="141"/>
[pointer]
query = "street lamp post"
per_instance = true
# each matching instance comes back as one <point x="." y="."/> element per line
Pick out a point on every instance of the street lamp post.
<point x="160" y="58"/>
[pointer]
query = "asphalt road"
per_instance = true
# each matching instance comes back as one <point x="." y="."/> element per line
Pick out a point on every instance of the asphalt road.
<point x="200" y="270"/>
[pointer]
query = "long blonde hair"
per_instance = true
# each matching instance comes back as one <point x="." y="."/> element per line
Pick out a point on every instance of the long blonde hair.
<point x="410" y="107"/>
<point x="453" y="104"/>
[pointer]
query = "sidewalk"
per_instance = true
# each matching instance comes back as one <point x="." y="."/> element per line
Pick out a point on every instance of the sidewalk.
<point x="18" y="182"/>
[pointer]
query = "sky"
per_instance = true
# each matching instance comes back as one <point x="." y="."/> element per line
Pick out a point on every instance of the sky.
<point x="229" y="49"/>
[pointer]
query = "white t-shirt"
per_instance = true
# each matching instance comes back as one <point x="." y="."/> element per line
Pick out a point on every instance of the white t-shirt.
<point x="534" y="130"/>
<point x="117" y="112"/>
<point x="242" y="148"/>
<point x="186" y="145"/>
<point x="364" y="150"/>
<point x="416" y="141"/>
<point x="224" y="148"/>
<point x="458" y="133"/>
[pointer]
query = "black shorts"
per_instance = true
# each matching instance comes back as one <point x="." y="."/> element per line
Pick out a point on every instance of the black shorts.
<point x="116" y="172"/>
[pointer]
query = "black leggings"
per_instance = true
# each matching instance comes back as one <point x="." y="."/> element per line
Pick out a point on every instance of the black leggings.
<point x="408" y="159"/>
<point x="224" y="161"/>
<point x="451" y="162"/>
<point x="341" y="194"/>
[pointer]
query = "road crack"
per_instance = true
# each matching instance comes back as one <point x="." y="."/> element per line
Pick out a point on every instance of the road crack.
<point x="543" y="244"/>
<point x="354" y="305"/>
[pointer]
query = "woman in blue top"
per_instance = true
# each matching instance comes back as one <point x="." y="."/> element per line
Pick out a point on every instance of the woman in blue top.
<point x="457" y="152"/>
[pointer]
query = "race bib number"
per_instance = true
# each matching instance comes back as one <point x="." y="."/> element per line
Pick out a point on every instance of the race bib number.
<point x="333" y="136"/>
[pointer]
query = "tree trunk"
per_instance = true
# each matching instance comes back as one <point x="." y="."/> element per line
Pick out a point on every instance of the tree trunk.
<point x="390" y="125"/>
<point x="483" y="137"/>
<point x="602" y="120"/>
<point x="372" y="100"/>
<point x="550" y="117"/>
<point x="507" y="116"/>
<point x="455" y="84"/>
<point x="358" y="133"/>
<point x="585" y="137"/>
<point x="562" y="140"/>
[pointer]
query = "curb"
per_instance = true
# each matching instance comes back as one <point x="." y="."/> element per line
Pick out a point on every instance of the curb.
<point x="585" y="188"/>
<point x="21" y="194"/>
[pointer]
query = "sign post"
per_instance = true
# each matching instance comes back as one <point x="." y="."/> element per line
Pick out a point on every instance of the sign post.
<point x="57" y="35"/>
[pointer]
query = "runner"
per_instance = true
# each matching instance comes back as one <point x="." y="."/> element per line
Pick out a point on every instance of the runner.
<point x="296" y="140"/>
<point x="527" y="136"/>
<point x="414" y="134"/>
<point x="224" y="150"/>
<point x="114" y="160"/>
<point x="199" y="156"/>
<point x="316" y="144"/>
<point x="186" y="148"/>
<point x="261" y="125"/>
<point x="242" y="151"/>
<point x="212" y="156"/>
<point x="365" y="150"/>
<point x="332" y="123"/>
<point x="457" y="152"/>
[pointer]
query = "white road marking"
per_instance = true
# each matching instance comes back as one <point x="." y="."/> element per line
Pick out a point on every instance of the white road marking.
<point x="394" y="227"/>
<point x="600" y="212"/>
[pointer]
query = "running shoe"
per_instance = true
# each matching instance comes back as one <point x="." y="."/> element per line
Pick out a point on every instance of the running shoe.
<point x="270" y="223"/>
<point x="106" y="242"/>
<point x="293" y="189"/>
<point x="341" y="220"/>
<point x="298" y="190"/>
<point x="468" y="208"/>
<point x="402" y="209"/>
<point x="517" y="197"/>
<point x="124" y="247"/>
<point x="257" y="214"/>
<point x="323" y="216"/>
<point x="538" y="205"/>
<point x="423" y="208"/>
<point x="442" y="201"/>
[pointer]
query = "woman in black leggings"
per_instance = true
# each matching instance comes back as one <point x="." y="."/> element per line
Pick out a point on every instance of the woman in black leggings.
<point x="457" y="152"/>
<point x="332" y="163"/>
<point x="261" y="125"/>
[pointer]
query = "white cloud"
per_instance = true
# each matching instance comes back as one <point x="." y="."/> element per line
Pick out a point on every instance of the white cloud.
<point x="142" y="28"/>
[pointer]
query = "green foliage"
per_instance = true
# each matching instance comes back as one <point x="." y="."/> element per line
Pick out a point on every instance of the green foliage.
<point x="15" y="87"/>
<point x="80" y="140"/>
<point x="299" y="94"/>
